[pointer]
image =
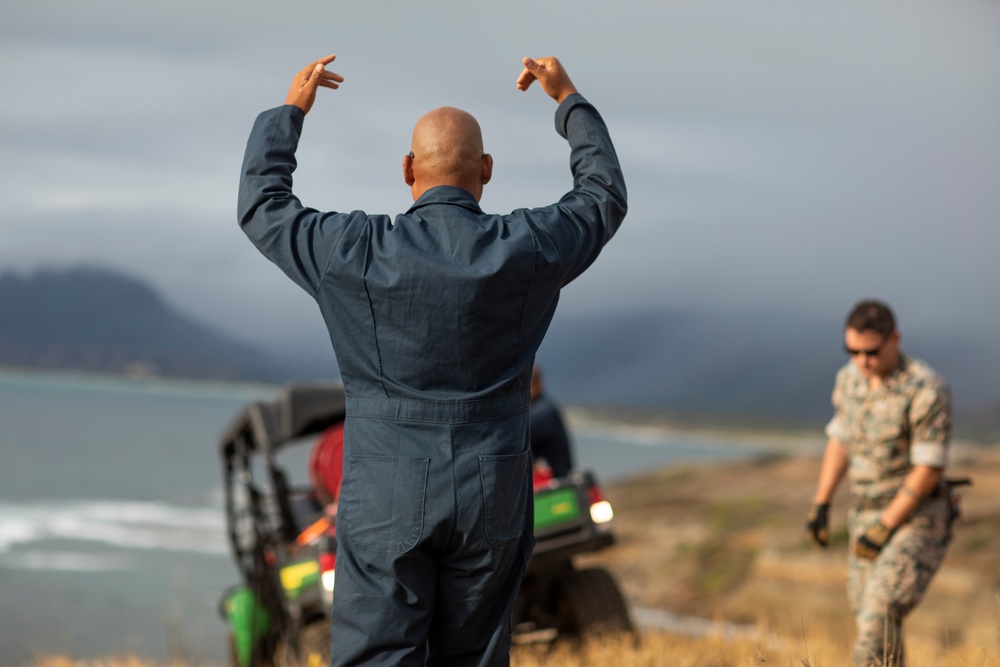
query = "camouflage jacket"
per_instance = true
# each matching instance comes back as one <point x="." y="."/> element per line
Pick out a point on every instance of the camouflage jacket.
<point x="906" y="421"/>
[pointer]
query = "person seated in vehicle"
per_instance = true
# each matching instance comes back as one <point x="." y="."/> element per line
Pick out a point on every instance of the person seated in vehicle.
<point x="550" y="445"/>
<point x="326" y="467"/>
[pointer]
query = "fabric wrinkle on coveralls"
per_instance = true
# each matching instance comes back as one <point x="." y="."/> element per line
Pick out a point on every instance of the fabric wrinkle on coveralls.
<point x="905" y="421"/>
<point x="435" y="318"/>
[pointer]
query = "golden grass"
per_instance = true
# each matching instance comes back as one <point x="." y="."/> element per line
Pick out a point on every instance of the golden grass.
<point x="120" y="661"/>
<point x="671" y="650"/>
<point x="815" y="648"/>
<point x="728" y="540"/>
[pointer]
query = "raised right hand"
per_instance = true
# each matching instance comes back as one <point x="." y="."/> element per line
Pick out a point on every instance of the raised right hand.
<point x="550" y="75"/>
<point x="302" y="92"/>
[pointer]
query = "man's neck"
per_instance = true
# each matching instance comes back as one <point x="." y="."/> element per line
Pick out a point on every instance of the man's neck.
<point x="418" y="189"/>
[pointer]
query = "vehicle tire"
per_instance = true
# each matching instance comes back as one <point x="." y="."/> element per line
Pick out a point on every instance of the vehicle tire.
<point x="315" y="644"/>
<point x="594" y="603"/>
<point x="231" y="660"/>
<point x="283" y="655"/>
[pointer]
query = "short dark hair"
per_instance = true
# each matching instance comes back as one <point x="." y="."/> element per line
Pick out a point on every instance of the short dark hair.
<point x="871" y="315"/>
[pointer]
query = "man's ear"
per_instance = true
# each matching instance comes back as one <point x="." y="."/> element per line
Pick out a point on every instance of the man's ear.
<point x="487" y="169"/>
<point x="408" y="170"/>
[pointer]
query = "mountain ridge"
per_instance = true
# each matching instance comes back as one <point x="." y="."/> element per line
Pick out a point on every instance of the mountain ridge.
<point x="692" y="365"/>
<point x="93" y="319"/>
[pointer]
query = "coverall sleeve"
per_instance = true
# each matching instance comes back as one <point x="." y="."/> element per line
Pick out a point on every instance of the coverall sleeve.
<point x="297" y="239"/>
<point x="588" y="215"/>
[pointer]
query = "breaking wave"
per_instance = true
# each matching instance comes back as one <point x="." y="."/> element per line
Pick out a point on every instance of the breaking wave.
<point x="43" y="535"/>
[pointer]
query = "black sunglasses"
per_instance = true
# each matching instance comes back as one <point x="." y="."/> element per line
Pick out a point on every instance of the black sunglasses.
<point x="872" y="352"/>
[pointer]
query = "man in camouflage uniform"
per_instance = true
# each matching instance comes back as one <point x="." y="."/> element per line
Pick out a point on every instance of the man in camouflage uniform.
<point x="890" y="435"/>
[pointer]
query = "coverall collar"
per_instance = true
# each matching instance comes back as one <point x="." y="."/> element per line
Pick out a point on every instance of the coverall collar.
<point x="447" y="194"/>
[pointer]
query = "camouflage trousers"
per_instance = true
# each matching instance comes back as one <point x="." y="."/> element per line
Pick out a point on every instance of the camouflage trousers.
<point x="884" y="590"/>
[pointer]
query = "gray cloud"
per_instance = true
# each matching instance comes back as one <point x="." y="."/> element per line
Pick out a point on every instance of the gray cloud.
<point x="776" y="154"/>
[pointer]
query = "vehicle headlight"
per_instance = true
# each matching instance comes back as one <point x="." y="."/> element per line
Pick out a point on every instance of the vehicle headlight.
<point x="601" y="512"/>
<point x="327" y="579"/>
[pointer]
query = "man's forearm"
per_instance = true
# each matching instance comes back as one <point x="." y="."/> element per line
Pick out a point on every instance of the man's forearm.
<point x="269" y="213"/>
<point x="593" y="159"/>
<point x="831" y="471"/>
<point x="269" y="161"/>
<point x="597" y="204"/>
<point x="919" y="484"/>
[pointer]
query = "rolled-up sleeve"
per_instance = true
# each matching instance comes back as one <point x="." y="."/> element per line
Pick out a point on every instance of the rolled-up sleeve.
<point x="930" y="423"/>
<point x="836" y="428"/>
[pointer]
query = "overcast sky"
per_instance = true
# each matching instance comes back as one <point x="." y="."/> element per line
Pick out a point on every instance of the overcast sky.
<point x="777" y="154"/>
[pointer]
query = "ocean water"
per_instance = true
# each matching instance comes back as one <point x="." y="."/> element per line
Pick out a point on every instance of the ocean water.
<point x="112" y="534"/>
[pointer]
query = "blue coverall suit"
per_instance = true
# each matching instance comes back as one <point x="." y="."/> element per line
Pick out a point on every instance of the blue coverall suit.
<point x="435" y="318"/>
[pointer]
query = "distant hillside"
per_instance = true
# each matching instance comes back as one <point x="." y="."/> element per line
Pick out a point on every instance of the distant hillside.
<point x="95" y="320"/>
<point x="686" y="361"/>
<point x="772" y="369"/>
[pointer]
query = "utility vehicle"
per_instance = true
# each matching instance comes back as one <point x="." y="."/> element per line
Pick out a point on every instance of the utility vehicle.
<point x="283" y="539"/>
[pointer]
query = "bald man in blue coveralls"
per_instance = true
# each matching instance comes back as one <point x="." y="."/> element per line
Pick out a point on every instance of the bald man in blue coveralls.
<point x="435" y="317"/>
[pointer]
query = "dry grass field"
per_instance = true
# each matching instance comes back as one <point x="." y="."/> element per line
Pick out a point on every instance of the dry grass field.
<point x="725" y="542"/>
<point x="670" y="650"/>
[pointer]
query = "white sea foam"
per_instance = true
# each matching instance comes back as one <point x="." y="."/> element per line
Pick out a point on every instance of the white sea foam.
<point x="67" y="561"/>
<point x="126" y="525"/>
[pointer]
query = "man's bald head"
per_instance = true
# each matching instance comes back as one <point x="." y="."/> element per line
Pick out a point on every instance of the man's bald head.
<point x="447" y="149"/>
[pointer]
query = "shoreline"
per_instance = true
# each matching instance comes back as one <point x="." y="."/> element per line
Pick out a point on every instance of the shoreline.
<point x="791" y="439"/>
<point x="718" y="546"/>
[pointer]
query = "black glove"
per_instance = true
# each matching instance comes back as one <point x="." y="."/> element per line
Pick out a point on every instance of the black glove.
<point x="818" y="524"/>
<point x="870" y="544"/>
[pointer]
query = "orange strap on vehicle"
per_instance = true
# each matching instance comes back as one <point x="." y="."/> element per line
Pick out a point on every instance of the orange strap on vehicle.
<point x="312" y="532"/>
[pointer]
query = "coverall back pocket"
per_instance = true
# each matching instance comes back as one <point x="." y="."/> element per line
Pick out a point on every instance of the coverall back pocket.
<point x="506" y="489"/>
<point x="386" y="502"/>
